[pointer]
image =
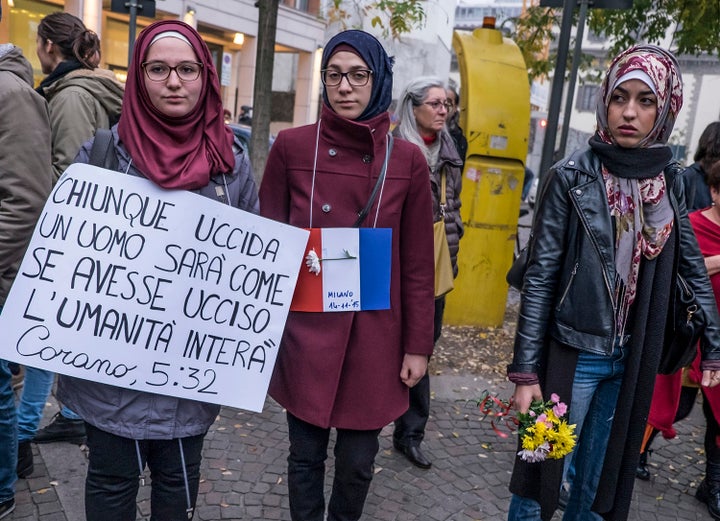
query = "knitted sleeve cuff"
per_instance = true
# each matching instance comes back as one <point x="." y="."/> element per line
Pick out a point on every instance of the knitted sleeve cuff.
<point x="523" y="378"/>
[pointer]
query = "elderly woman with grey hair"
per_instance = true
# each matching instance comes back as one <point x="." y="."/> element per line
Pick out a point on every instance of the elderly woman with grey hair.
<point x="422" y="112"/>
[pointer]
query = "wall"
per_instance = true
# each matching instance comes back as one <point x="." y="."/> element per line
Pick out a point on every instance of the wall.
<point x="423" y="52"/>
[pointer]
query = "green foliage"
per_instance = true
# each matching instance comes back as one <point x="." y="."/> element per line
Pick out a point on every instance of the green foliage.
<point x="393" y="18"/>
<point x="695" y="25"/>
<point x="697" y="31"/>
<point x="532" y="32"/>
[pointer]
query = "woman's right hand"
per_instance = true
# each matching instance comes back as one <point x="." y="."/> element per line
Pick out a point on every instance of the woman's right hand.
<point x="524" y="395"/>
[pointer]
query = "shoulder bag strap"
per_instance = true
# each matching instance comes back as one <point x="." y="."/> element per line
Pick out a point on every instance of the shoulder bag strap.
<point x="102" y="153"/>
<point x="363" y="213"/>
<point x="443" y="191"/>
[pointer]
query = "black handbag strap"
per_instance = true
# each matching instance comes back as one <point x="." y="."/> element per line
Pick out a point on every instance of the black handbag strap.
<point x="102" y="153"/>
<point x="363" y="213"/>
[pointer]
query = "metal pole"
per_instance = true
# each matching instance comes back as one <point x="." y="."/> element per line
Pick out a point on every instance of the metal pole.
<point x="132" y="4"/>
<point x="548" y="150"/>
<point x="573" y="76"/>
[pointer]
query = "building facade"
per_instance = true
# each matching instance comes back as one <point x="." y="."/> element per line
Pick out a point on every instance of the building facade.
<point x="425" y="51"/>
<point x="701" y="78"/>
<point x="228" y="27"/>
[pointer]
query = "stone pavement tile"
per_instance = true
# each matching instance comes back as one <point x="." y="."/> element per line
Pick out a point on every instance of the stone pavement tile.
<point x="468" y="481"/>
<point x="243" y="474"/>
<point x="35" y="497"/>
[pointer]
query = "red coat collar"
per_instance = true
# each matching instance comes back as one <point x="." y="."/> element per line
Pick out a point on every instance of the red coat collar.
<point x="359" y="135"/>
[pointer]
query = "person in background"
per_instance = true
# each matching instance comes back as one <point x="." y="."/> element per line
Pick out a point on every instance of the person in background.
<point x="245" y="117"/>
<point x="694" y="177"/>
<point x="227" y="117"/>
<point x="25" y="182"/>
<point x="674" y="396"/>
<point x="611" y="229"/>
<point x="171" y="132"/>
<point x="422" y="111"/>
<point x="706" y="224"/>
<point x="82" y="98"/>
<point x="527" y="183"/>
<point x="453" y="124"/>
<point x="351" y="370"/>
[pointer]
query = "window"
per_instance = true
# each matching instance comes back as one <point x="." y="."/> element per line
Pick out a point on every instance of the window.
<point x="587" y="98"/>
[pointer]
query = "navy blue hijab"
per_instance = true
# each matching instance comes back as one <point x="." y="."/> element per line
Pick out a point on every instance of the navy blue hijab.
<point x="372" y="53"/>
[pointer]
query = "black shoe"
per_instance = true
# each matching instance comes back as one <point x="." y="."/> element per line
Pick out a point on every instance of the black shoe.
<point x="25" y="465"/>
<point x="642" y="471"/>
<point x="6" y="507"/>
<point x="62" y="429"/>
<point x="711" y="497"/>
<point x="414" y="455"/>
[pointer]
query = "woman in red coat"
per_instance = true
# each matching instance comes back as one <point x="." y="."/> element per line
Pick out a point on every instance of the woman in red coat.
<point x="351" y="370"/>
<point x="706" y="224"/>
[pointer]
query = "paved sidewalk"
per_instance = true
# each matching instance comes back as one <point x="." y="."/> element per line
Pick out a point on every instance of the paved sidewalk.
<point x="244" y="469"/>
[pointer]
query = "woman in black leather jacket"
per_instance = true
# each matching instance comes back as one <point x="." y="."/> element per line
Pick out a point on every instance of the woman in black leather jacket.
<point x="610" y="234"/>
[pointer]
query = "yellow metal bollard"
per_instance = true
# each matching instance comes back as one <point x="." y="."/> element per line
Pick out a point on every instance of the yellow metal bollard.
<point x="495" y="101"/>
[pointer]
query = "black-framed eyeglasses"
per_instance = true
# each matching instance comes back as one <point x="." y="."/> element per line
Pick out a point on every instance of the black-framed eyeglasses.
<point x="160" y="71"/>
<point x="435" y="105"/>
<point x="356" y="78"/>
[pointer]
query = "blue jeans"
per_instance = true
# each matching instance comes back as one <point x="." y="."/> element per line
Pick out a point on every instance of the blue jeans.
<point x="36" y="389"/>
<point x="596" y="387"/>
<point x="8" y="435"/>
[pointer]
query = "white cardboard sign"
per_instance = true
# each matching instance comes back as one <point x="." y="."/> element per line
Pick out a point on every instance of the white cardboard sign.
<point x="163" y="291"/>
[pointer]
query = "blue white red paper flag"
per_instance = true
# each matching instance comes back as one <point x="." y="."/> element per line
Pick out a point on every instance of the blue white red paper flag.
<point x="345" y="269"/>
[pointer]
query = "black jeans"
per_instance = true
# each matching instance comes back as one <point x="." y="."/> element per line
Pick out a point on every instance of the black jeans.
<point x="112" y="481"/>
<point x="355" y="453"/>
<point x="410" y="427"/>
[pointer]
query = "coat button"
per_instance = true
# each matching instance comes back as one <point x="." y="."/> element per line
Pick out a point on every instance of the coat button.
<point x="332" y="152"/>
<point x="367" y="158"/>
<point x="571" y="163"/>
<point x="326" y="208"/>
<point x="578" y="192"/>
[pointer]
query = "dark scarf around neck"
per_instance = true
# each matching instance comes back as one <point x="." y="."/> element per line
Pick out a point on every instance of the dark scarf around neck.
<point x="631" y="163"/>
<point x="61" y="70"/>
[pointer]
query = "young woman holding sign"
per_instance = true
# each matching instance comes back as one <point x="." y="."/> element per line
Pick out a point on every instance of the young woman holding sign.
<point x="351" y="370"/>
<point x="171" y="132"/>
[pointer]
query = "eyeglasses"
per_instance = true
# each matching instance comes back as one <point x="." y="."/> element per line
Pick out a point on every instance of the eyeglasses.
<point x="160" y="71"/>
<point x="435" y="105"/>
<point x="356" y="78"/>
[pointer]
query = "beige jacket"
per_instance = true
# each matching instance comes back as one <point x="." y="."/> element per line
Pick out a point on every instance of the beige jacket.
<point x="80" y="102"/>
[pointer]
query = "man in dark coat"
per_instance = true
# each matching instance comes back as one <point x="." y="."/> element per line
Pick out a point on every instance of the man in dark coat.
<point x="25" y="180"/>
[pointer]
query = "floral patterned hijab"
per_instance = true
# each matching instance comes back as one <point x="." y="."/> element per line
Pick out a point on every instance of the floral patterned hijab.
<point x="634" y="177"/>
<point x="663" y="70"/>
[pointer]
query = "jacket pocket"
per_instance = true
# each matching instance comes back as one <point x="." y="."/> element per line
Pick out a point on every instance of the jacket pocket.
<point x="567" y="286"/>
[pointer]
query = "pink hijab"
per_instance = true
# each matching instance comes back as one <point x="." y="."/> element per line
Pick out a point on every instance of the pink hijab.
<point x="173" y="152"/>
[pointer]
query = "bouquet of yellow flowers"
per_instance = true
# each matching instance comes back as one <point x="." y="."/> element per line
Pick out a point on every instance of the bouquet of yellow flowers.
<point x="544" y="430"/>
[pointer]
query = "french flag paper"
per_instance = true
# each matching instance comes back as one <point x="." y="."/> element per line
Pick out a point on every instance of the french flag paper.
<point x="345" y="269"/>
